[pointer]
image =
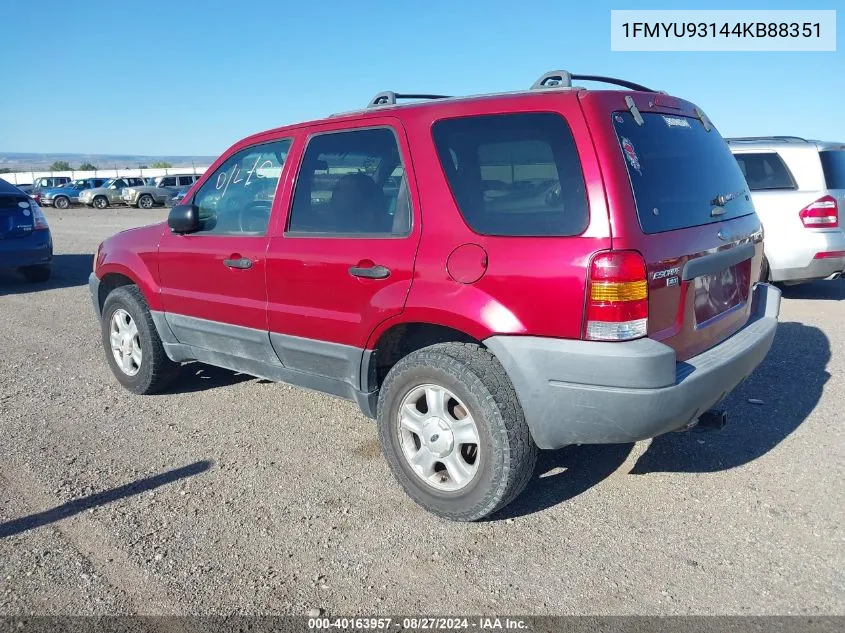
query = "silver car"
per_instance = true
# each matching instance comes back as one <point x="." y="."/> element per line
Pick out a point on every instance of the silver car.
<point x="109" y="193"/>
<point x="157" y="191"/>
<point x="798" y="189"/>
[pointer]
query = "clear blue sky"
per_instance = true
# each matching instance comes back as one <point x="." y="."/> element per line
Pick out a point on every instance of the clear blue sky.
<point x="187" y="77"/>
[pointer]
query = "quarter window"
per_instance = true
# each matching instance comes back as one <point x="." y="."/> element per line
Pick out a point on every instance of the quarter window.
<point x="765" y="171"/>
<point x="238" y="197"/>
<point x="352" y="183"/>
<point x="514" y="174"/>
<point x="833" y="163"/>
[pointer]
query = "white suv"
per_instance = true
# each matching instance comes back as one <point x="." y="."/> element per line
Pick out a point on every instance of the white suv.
<point x="798" y="189"/>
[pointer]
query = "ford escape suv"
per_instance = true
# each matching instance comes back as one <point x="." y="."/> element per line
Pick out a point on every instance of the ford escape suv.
<point x="798" y="189"/>
<point x="485" y="276"/>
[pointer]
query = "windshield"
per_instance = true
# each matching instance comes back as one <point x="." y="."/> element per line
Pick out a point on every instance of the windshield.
<point x="682" y="175"/>
<point x="833" y="163"/>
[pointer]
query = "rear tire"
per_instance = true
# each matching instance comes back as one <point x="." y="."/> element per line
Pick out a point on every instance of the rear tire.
<point x="37" y="274"/>
<point x="150" y="370"/>
<point x="475" y="388"/>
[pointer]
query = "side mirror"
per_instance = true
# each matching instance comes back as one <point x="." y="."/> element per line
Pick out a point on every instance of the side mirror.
<point x="183" y="218"/>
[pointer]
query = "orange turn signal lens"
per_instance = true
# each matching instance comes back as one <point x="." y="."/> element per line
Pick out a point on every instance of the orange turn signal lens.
<point x="618" y="291"/>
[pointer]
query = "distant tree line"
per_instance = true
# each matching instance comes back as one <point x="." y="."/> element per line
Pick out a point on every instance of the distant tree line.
<point x="63" y="165"/>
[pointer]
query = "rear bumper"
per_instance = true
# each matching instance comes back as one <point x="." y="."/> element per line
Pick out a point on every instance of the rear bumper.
<point x="582" y="392"/>
<point x="32" y="250"/>
<point x="801" y="263"/>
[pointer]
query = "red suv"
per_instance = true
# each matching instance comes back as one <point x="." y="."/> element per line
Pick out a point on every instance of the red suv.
<point x="486" y="276"/>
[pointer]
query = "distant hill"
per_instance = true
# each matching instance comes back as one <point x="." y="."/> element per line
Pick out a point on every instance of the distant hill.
<point x="24" y="161"/>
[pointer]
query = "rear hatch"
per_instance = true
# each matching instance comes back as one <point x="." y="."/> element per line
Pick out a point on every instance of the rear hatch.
<point x="16" y="219"/>
<point x="678" y="197"/>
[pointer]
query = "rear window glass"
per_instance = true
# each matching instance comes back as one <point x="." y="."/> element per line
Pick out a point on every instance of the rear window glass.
<point x="514" y="174"/>
<point x="678" y="170"/>
<point x="765" y="171"/>
<point x="833" y="163"/>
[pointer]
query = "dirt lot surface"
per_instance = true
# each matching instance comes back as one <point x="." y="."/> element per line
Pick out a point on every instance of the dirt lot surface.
<point x="231" y="495"/>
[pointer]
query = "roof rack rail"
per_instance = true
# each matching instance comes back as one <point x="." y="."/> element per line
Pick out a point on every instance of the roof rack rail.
<point x="563" y="79"/>
<point x="751" y="139"/>
<point x="389" y="97"/>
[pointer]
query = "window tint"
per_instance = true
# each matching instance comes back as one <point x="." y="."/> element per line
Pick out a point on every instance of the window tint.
<point x="514" y="174"/>
<point x="168" y="182"/>
<point x="677" y="170"/>
<point x="765" y="171"/>
<point x="833" y="163"/>
<point x="352" y="183"/>
<point x="237" y="198"/>
<point x="186" y="180"/>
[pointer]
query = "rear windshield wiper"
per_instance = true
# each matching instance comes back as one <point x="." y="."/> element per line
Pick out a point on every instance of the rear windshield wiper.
<point x="721" y="200"/>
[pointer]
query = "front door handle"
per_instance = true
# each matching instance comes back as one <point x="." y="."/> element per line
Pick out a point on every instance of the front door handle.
<point x="370" y="272"/>
<point x="241" y="262"/>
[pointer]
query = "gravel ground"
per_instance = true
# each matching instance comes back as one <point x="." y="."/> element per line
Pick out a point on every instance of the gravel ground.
<point x="232" y="495"/>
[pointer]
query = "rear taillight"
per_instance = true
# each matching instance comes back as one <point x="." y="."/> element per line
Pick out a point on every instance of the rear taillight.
<point x="617" y="297"/>
<point x="39" y="220"/>
<point x="821" y="214"/>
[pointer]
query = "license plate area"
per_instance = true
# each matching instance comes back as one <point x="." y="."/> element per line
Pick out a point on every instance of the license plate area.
<point x="720" y="293"/>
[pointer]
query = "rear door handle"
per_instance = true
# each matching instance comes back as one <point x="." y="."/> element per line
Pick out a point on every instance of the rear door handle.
<point x="242" y="262"/>
<point x="370" y="272"/>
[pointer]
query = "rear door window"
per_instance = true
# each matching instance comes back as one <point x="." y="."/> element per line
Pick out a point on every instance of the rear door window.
<point x="678" y="172"/>
<point x="514" y="174"/>
<point x="833" y="163"/>
<point x="765" y="171"/>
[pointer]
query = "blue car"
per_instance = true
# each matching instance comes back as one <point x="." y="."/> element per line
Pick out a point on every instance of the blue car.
<point x="25" y="240"/>
<point x="68" y="194"/>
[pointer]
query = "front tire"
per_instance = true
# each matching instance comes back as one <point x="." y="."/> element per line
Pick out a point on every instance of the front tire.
<point x="146" y="201"/>
<point x="453" y="431"/>
<point x="133" y="348"/>
<point x="61" y="202"/>
<point x="101" y="202"/>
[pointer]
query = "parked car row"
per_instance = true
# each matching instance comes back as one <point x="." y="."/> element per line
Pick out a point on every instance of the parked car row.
<point x="157" y="191"/>
<point x="102" y="193"/>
